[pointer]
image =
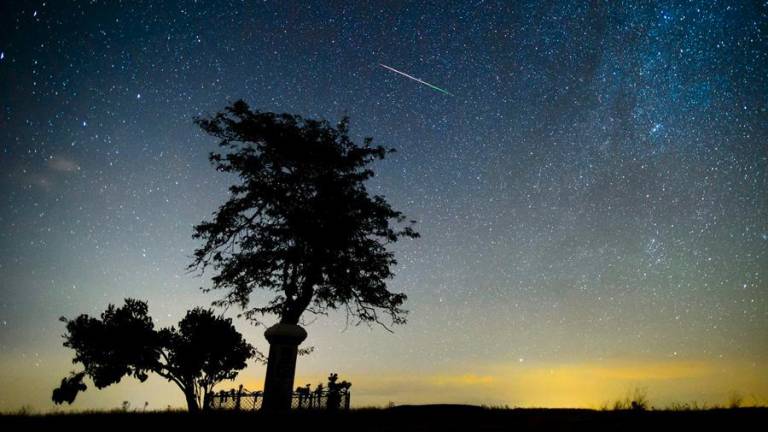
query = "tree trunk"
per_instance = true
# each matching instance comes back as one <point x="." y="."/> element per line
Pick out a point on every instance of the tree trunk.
<point x="207" y="401"/>
<point x="192" y="405"/>
<point x="294" y="309"/>
<point x="284" y="340"/>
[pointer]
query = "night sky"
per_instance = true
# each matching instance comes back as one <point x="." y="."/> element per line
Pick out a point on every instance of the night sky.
<point x="591" y="194"/>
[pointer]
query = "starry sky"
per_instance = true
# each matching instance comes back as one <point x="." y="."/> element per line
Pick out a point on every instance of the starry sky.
<point x="591" y="195"/>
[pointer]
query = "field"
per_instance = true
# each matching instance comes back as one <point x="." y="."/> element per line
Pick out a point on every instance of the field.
<point x="403" y="418"/>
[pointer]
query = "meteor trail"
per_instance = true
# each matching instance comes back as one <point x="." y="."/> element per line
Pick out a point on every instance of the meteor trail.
<point x="416" y="79"/>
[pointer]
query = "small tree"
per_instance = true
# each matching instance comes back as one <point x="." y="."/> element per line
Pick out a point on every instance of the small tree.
<point x="203" y="351"/>
<point x="300" y="221"/>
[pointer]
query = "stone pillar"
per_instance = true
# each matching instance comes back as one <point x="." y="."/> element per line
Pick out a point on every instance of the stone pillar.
<point x="284" y="340"/>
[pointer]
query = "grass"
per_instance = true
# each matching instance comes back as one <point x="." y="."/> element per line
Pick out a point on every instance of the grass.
<point x="401" y="418"/>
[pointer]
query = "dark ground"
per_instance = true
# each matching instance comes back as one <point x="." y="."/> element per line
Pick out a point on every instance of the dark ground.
<point x="403" y="418"/>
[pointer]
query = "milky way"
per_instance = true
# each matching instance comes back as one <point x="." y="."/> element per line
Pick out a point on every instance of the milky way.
<point x="592" y="203"/>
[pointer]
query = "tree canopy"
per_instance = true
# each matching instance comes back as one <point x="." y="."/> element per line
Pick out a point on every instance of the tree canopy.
<point x="204" y="350"/>
<point x="299" y="222"/>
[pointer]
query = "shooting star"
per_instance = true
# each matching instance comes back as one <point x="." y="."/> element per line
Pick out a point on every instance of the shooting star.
<point x="417" y="80"/>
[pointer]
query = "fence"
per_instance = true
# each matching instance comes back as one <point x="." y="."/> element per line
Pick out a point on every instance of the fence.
<point x="302" y="399"/>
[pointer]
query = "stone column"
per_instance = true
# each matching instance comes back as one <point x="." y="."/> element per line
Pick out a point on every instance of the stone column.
<point x="284" y="340"/>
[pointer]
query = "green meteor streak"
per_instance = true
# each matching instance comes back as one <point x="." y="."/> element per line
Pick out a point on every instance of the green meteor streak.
<point x="416" y="79"/>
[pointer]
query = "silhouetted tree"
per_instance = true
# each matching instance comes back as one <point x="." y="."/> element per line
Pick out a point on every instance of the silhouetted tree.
<point x="300" y="221"/>
<point x="69" y="388"/>
<point x="203" y="351"/>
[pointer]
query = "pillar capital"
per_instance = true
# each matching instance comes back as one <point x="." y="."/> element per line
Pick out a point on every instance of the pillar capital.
<point x="285" y="334"/>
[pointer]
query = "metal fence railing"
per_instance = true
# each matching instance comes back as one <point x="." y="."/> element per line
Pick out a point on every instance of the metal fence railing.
<point x="302" y="399"/>
<point x="236" y="400"/>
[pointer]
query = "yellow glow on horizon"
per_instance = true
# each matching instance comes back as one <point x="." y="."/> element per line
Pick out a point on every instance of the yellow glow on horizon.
<point x="586" y="385"/>
<point x="589" y="384"/>
<point x="467" y="379"/>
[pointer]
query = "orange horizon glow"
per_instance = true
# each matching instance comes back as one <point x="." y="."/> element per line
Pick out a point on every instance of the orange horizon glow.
<point x="579" y="385"/>
<point x="595" y="385"/>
